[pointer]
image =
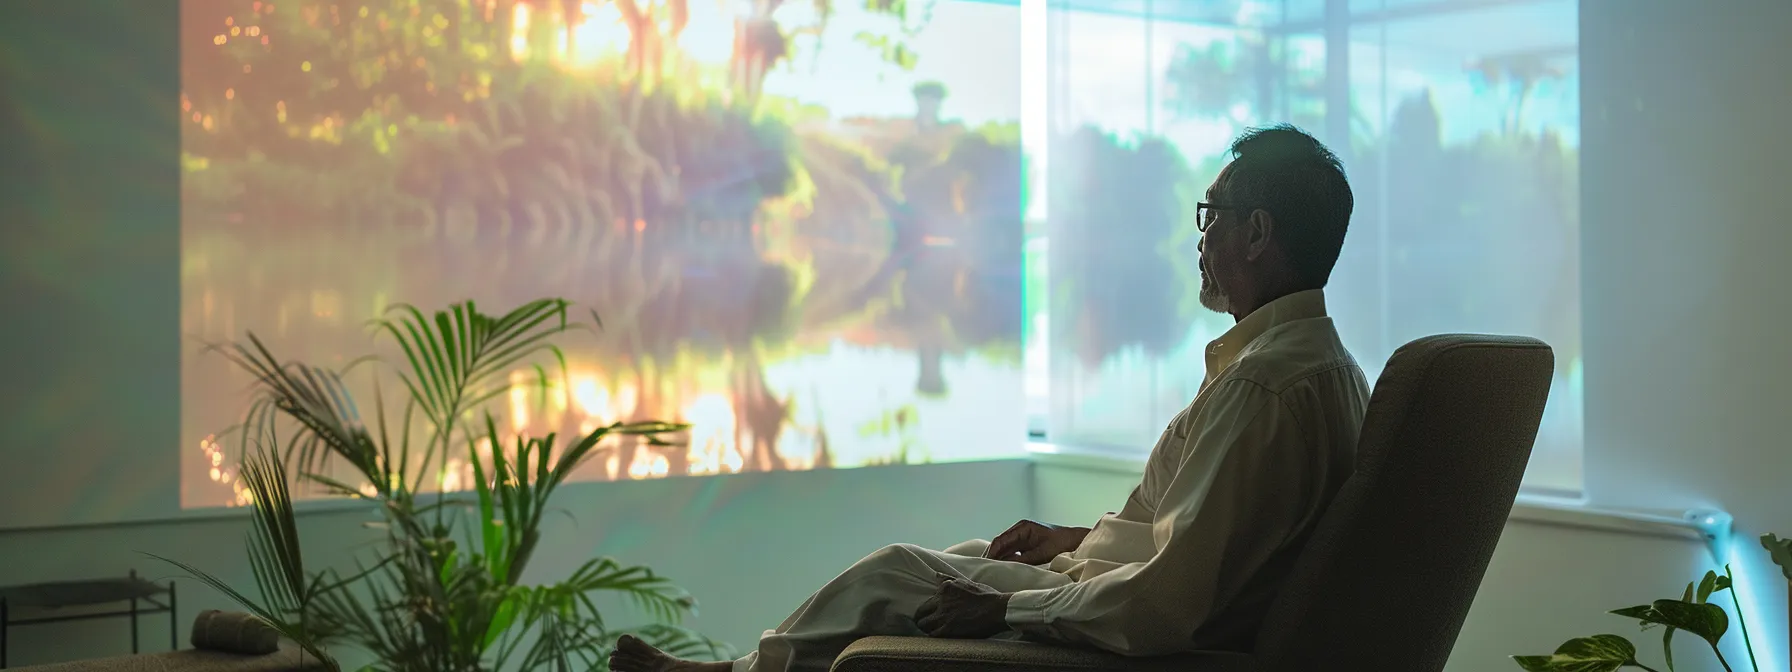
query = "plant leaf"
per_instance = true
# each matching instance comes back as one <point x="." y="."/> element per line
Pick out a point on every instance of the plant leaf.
<point x="1780" y="551"/>
<point x="1667" y="634"/>
<point x="429" y="600"/>
<point x="1667" y="647"/>
<point x="1535" y="663"/>
<point x="1708" y="621"/>
<point x="1707" y="585"/>
<point x="1599" y="653"/>
<point x="684" y="643"/>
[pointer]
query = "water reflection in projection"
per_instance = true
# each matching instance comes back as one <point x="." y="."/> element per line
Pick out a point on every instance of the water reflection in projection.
<point x="800" y="228"/>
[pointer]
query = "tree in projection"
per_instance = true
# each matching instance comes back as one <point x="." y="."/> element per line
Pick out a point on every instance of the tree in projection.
<point x="1458" y="215"/>
<point x="950" y="281"/>
<point x="957" y="256"/>
<point x="653" y="203"/>
<point x="987" y="286"/>
<point x="1529" y="179"/>
<point x="1122" y="252"/>
<point x="1523" y="73"/>
<point x="368" y="122"/>
<point x="760" y="41"/>
<point x="1249" y="76"/>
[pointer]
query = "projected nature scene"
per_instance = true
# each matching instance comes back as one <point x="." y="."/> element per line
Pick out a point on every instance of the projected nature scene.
<point x="799" y="222"/>
<point x="1459" y="124"/>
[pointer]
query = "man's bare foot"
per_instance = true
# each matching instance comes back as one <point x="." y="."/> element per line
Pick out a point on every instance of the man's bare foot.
<point x="634" y="655"/>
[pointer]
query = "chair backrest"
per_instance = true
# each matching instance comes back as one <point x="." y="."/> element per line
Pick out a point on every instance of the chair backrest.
<point x="1388" y="575"/>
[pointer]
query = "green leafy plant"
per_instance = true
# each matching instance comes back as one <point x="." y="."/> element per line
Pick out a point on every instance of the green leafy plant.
<point x="444" y="591"/>
<point x="1692" y="613"/>
<point x="1780" y="551"/>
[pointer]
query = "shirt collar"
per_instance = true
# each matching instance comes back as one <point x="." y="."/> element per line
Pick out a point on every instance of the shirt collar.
<point x="1223" y="351"/>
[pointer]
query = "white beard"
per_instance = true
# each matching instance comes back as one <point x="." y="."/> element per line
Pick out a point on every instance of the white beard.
<point x="1212" y="298"/>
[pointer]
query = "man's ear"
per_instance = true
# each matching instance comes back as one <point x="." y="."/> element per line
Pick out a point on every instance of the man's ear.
<point x="1259" y="230"/>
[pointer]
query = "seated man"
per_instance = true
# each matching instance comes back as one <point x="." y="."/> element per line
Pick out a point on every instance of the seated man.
<point x="1230" y="494"/>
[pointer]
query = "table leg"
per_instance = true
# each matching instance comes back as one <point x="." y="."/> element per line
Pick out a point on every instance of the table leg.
<point x="173" y="619"/>
<point x="133" y="617"/>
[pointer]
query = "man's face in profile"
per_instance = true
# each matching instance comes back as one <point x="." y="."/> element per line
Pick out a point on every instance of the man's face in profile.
<point x="1216" y="247"/>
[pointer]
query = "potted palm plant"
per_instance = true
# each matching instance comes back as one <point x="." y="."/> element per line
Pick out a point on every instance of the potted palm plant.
<point x="444" y="592"/>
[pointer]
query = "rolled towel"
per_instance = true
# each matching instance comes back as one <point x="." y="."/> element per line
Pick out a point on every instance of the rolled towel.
<point x="234" y="632"/>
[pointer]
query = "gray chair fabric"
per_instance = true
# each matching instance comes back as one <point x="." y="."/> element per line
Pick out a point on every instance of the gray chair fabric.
<point x="1388" y="575"/>
<point x="922" y="654"/>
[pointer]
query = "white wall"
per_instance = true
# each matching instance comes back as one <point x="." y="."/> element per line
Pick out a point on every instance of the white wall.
<point x="89" y="262"/>
<point x="1685" y="237"/>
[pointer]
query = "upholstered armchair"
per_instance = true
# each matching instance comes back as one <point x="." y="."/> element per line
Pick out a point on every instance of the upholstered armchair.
<point x="1388" y="576"/>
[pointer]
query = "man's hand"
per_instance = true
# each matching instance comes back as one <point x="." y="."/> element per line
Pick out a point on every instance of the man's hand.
<point x="963" y="609"/>
<point x="1034" y="543"/>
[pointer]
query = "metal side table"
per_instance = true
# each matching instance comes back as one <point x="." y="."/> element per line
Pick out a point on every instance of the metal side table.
<point x="46" y="599"/>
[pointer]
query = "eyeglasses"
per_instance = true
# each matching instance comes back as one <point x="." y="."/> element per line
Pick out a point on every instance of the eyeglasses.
<point x="1205" y="213"/>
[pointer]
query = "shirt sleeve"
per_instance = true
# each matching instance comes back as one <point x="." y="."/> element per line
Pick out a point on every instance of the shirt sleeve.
<point x="1234" y="501"/>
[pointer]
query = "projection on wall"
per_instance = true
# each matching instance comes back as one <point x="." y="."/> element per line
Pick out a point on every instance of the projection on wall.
<point x="800" y="222"/>
<point x="1458" y="121"/>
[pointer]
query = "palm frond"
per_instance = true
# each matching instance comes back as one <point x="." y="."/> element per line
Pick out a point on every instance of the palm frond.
<point x="454" y="355"/>
<point x="442" y="591"/>
<point x="658" y="596"/>
<point x="683" y="642"/>
<point x="294" y="631"/>
<point x="329" y="424"/>
<point x="276" y="558"/>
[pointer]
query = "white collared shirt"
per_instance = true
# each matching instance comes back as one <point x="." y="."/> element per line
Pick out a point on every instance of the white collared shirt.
<point x="1231" y="491"/>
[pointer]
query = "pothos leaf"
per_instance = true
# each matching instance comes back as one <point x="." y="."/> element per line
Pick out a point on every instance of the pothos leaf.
<point x="1639" y="612"/>
<point x="1708" y="621"/>
<point x="1599" y="653"/>
<point x="1780" y="550"/>
<point x="1707" y="586"/>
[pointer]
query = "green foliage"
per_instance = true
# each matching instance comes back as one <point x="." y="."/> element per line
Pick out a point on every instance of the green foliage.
<point x="427" y="600"/>
<point x="1599" y="653"/>
<point x="275" y="560"/>
<point x="1211" y="82"/>
<point x="1691" y="613"/>
<point x="898" y="423"/>
<point x="1780" y="551"/>
<point x="930" y="89"/>
<point x="893" y="45"/>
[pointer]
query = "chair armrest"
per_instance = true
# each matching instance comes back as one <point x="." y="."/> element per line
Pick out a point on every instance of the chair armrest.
<point x="925" y="654"/>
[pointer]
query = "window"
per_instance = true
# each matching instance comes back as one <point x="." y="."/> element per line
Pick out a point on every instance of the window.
<point x="1458" y="123"/>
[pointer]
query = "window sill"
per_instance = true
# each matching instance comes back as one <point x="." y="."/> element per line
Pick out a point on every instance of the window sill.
<point x="1531" y="508"/>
